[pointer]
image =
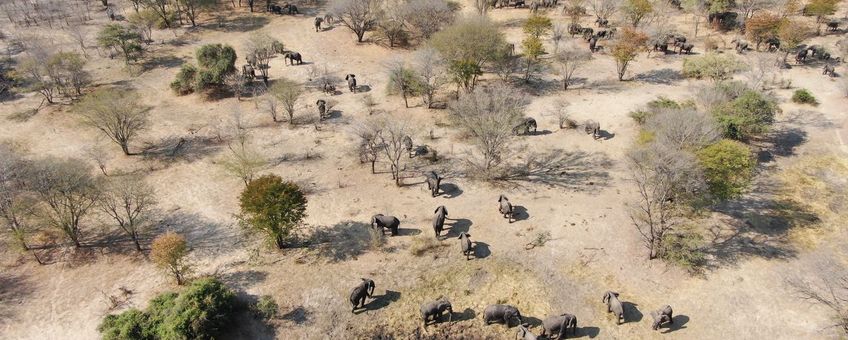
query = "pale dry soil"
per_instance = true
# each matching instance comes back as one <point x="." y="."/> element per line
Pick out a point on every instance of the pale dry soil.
<point x="594" y="246"/>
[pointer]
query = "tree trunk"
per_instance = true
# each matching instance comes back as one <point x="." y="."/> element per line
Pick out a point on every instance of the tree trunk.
<point x="125" y="148"/>
<point x="359" y="35"/>
<point x="137" y="243"/>
<point x="373" y="171"/>
<point x="405" y="100"/>
<point x="279" y="242"/>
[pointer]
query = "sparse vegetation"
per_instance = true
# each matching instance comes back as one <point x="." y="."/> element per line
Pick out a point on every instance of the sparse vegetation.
<point x="803" y="96"/>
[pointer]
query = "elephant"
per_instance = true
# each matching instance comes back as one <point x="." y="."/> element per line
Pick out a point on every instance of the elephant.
<point x="801" y="56"/>
<point x="501" y="313"/>
<point x="465" y="243"/>
<point x="318" y="21"/>
<point x="433" y="182"/>
<point x="525" y="126"/>
<point x="351" y="82"/>
<point x="433" y="310"/>
<point x="773" y="44"/>
<point x="833" y="26"/>
<point x="322" y="109"/>
<point x="328" y="88"/>
<point x="593" y="127"/>
<point x="559" y="324"/>
<point x="291" y="9"/>
<point x="406" y="142"/>
<point x="574" y="29"/>
<point x="329" y="19"/>
<point x="439" y="219"/>
<point x="524" y="333"/>
<point x="614" y="305"/>
<point x="275" y="9"/>
<point x="684" y="47"/>
<point x="740" y="45"/>
<point x="602" y="22"/>
<point x="360" y="292"/>
<point x="661" y="316"/>
<point x="829" y="70"/>
<point x="381" y="222"/>
<point x="291" y="57"/>
<point x="248" y="72"/>
<point x="505" y="207"/>
<point x="593" y="44"/>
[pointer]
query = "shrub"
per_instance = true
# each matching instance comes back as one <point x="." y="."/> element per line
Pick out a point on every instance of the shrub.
<point x="683" y="248"/>
<point x="803" y="96"/>
<point x="750" y="113"/>
<point x="651" y="109"/>
<point x="273" y="207"/>
<point x="198" y="312"/>
<point x="717" y="67"/>
<point x="728" y="167"/>
<point x="169" y="252"/>
<point x="184" y="83"/>
<point x="215" y="62"/>
<point x="421" y="244"/>
<point x="265" y="308"/>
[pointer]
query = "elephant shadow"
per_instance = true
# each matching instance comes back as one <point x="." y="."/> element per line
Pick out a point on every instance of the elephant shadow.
<point x="539" y="133"/>
<point x="384" y="300"/>
<point x="631" y="313"/>
<point x="449" y="190"/>
<point x="457" y="226"/>
<point x="327" y="28"/>
<point x="531" y="321"/>
<point x="363" y="88"/>
<point x="679" y="323"/>
<point x="519" y="213"/>
<point x="408" y="232"/>
<point x="467" y="314"/>
<point x="605" y="135"/>
<point x="481" y="250"/>
<point x="590" y="331"/>
<point x="332" y="114"/>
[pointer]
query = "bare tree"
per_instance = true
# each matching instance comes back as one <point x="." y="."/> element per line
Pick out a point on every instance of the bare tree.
<point x="831" y="291"/>
<point x="288" y="93"/>
<point x="762" y="70"/>
<point x="426" y="17"/>
<point x="568" y="60"/>
<point x="558" y="33"/>
<point x="260" y="49"/>
<point x="489" y="115"/>
<point x="402" y="80"/>
<point x="604" y="9"/>
<point x="272" y="106"/>
<point x="67" y="192"/>
<point x="16" y="202"/>
<point x="78" y="34"/>
<point x="160" y="7"/>
<point x="242" y="159"/>
<point x="663" y="178"/>
<point x="359" y="16"/>
<point x="119" y="114"/>
<point x="366" y="132"/>
<point x="390" y="141"/>
<point x="430" y="67"/>
<point x="129" y="201"/>
<point x="683" y="129"/>
<point x="236" y="82"/>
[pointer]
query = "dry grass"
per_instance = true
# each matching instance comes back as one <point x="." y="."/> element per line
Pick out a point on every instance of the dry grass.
<point x="422" y="244"/>
<point x="820" y="185"/>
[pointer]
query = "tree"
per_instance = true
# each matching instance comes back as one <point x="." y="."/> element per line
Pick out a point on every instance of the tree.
<point x="821" y="9"/>
<point x="121" y="39"/>
<point x="237" y="83"/>
<point x="16" y="201"/>
<point x="569" y="59"/>
<point x="403" y="81"/>
<point x="273" y="207"/>
<point x="260" y="49"/>
<point x="831" y="291"/>
<point x="66" y="192"/>
<point x="34" y="71"/>
<point x="533" y="48"/>
<point x="215" y="62"/>
<point x="68" y="73"/>
<point x="143" y="22"/>
<point x="792" y="34"/>
<point x="746" y="115"/>
<point x="129" y="202"/>
<point x="390" y="141"/>
<point x="429" y="65"/>
<point x="636" y="10"/>
<point x="185" y="81"/>
<point x="193" y="8"/>
<point x="489" y="115"/>
<point x="749" y="8"/>
<point x="160" y="7"/>
<point x="242" y="160"/>
<point x="287" y="92"/>
<point x="604" y="9"/>
<point x="359" y="16"/>
<point x="119" y="114"/>
<point x="470" y="40"/>
<point x="728" y="167"/>
<point x="762" y="26"/>
<point x="393" y="30"/>
<point x="169" y="252"/>
<point x="716" y="67"/>
<point x="426" y="17"/>
<point x="664" y="178"/>
<point x="626" y="48"/>
<point x="699" y="9"/>
<point x="681" y="127"/>
<point x="537" y="26"/>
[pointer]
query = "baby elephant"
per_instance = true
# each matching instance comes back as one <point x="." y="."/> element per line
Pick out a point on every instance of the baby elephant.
<point x="524" y="333"/>
<point x="501" y="314"/>
<point x="381" y="222"/>
<point x="661" y="316"/>
<point x="559" y="324"/>
<point x="433" y="310"/>
<point x="593" y="127"/>
<point x="439" y="219"/>
<point x="360" y="292"/>
<point x="614" y="305"/>
<point x="505" y="207"/>
<point x="433" y="182"/>
<point x="465" y="243"/>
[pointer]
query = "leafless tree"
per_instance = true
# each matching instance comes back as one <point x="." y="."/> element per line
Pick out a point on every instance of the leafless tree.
<point x="604" y="9"/>
<point x="236" y="82"/>
<point x="430" y="67"/>
<point x="559" y="109"/>
<point x="558" y="33"/>
<point x="683" y="129"/>
<point x="129" y="201"/>
<point x="489" y="115"/>
<point x="831" y="291"/>
<point x="119" y="114"/>
<point x="98" y="154"/>
<point x="762" y="70"/>
<point x="241" y="159"/>
<point x="67" y="192"/>
<point x="260" y="49"/>
<point x="390" y="141"/>
<point x="568" y="60"/>
<point x="366" y="132"/>
<point x="663" y="178"/>
<point x="78" y="34"/>
<point x="287" y="92"/>
<point x="426" y="17"/>
<point x="272" y="106"/>
<point x="16" y="202"/>
<point x="359" y="16"/>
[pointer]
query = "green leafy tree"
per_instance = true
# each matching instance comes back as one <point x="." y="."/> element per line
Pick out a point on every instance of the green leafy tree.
<point x="68" y="73"/>
<point x="123" y="40"/>
<point x="746" y="115"/>
<point x="273" y="207"/>
<point x="287" y="92"/>
<point x="728" y="166"/>
<point x="169" y="252"/>
<point x="636" y="10"/>
<point x="533" y="49"/>
<point x="215" y="62"/>
<point x="404" y="81"/>
<point x="821" y="9"/>
<point x="185" y="79"/>
<point x="762" y="26"/>
<point x="625" y="49"/>
<point x="467" y="45"/>
<point x="67" y="192"/>
<point x="117" y="113"/>
<point x="537" y="26"/>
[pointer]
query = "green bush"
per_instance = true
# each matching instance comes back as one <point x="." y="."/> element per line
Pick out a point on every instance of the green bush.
<point x="728" y="167"/>
<point x="265" y="308"/>
<point x="683" y="248"/>
<point x="717" y="67"/>
<point x="215" y="62"/>
<point x="803" y="96"/>
<point x="184" y="84"/>
<point x="198" y="312"/>
<point x="749" y="114"/>
<point x="651" y="109"/>
<point x="273" y="207"/>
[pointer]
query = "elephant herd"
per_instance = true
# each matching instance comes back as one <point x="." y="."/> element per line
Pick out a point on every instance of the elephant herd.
<point x="553" y="327"/>
<point x="529" y="124"/>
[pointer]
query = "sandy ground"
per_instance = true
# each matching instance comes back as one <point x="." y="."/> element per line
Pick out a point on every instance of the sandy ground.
<point x="594" y="247"/>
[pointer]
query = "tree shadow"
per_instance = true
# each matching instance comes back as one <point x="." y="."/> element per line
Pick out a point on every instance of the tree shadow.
<point x="665" y="76"/>
<point x="14" y="290"/>
<point x="363" y="88"/>
<point x="384" y="300"/>
<point x="575" y="170"/>
<point x="590" y="331"/>
<point x="201" y="234"/>
<point x="341" y="242"/>
<point x="244" y="23"/>
<point x="679" y="323"/>
<point x="243" y="279"/>
<point x="519" y="213"/>
<point x="186" y="148"/>
<point x="605" y="135"/>
<point x="481" y="250"/>
<point x="631" y="312"/>
<point x="457" y="226"/>
<point x="166" y="61"/>
<point x="299" y="315"/>
<point x="449" y="190"/>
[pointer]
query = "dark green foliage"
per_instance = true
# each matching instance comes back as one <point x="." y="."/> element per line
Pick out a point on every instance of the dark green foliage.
<point x="199" y="312"/>
<point x="654" y="106"/>
<point x="465" y="73"/>
<point x="747" y="115"/>
<point x="265" y="308"/>
<point x="121" y="39"/>
<point x="215" y="62"/>
<point x="728" y="167"/>
<point x="272" y="206"/>
<point x="803" y="96"/>
<point x="184" y="84"/>
<point x="683" y="248"/>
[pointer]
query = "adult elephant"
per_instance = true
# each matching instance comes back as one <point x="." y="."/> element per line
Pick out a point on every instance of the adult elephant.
<point x="382" y="222"/>
<point x="662" y="316"/>
<point x="592" y="127"/>
<point x="432" y="311"/>
<point x="524" y="128"/>
<point x="291" y="57"/>
<point x="465" y="245"/>
<point x="501" y="314"/>
<point x="559" y="324"/>
<point x="318" y="21"/>
<point x="614" y="306"/>
<point x="505" y="208"/>
<point x="439" y="219"/>
<point x="433" y="182"/>
<point x="360" y="292"/>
